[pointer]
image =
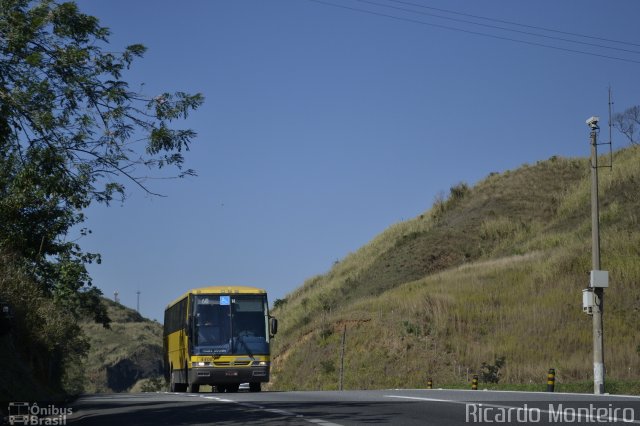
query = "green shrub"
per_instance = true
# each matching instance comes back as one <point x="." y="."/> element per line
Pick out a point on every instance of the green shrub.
<point x="279" y="303"/>
<point x="490" y="373"/>
<point x="327" y="366"/>
<point x="46" y="336"/>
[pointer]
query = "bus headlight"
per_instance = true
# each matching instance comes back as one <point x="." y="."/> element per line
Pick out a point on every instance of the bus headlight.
<point x="260" y="363"/>
<point x="199" y="364"/>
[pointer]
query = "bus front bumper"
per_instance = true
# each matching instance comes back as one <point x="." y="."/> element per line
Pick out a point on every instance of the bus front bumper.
<point x="227" y="375"/>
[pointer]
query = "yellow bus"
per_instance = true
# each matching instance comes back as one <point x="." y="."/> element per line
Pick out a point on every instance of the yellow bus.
<point x="218" y="336"/>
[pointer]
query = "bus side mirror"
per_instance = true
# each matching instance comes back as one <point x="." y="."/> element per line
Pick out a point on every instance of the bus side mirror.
<point x="273" y="326"/>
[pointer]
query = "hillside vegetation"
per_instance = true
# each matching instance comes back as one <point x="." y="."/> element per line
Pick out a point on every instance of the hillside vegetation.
<point x="73" y="133"/>
<point x="494" y="270"/>
<point x="42" y="344"/>
<point x="125" y="357"/>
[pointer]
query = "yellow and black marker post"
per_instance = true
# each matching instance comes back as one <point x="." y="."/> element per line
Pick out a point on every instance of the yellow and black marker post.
<point x="551" y="380"/>
<point x="429" y="383"/>
<point x="474" y="383"/>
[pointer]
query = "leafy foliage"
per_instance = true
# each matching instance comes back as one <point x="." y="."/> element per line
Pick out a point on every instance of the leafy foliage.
<point x="155" y="384"/>
<point x="72" y="133"/>
<point x="411" y="328"/>
<point x="327" y="366"/>
<point x="47" y="339"/>
<point x="278" y="303"/>
<point x="490" y="373"/>
<point x="441" y="204"/>
<point x="62" y="94"/>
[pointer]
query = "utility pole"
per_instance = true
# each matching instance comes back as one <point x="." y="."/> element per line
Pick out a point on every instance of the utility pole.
<point x="599" y="279"/>
<point x="344" y="335"/>
<point x="138" y="302"/>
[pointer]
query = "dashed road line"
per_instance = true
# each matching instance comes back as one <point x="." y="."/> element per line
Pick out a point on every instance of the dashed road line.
<point x="285" y="413"/>
<point x="425" y="399"/>
<point x="322" y="422"/>
<point x="249" y="405"/>
<point x="282" y="412"/>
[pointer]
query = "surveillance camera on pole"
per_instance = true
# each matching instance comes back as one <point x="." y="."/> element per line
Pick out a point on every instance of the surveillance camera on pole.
<point x="593" y="122"/>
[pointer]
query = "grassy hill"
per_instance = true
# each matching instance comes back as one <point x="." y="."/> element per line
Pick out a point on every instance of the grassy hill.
<point x="491" y="271"/>
<point x="126" y="357"/>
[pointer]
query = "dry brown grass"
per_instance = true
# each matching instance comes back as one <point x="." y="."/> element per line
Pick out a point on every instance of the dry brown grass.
<point x="496" y="272"/>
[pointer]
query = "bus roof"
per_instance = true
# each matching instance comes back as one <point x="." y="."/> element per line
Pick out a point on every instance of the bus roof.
<point x="224" y="289"/>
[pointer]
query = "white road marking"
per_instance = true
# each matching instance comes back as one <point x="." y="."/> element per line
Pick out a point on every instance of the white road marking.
<point x="249" y="405"/>
<point x="216" y="398"/>
<point x="283" y="412"/>
<point x="426" y="399"/>
<point x="322" y="422"/>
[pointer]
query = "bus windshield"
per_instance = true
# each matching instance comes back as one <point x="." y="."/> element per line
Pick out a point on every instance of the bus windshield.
<point x="230" y="324"/>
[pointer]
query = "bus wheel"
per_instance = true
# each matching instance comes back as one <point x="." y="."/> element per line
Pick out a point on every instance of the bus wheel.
<point x="220" y="388"/>
<point x="255" y="387"/>
<point x="233" y="388"/>
<point x="172" y="382"/>
<point x="193" y="388"/>
<point x="176" y="387"/>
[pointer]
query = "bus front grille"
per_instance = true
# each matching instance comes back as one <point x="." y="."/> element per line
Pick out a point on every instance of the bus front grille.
<point x="231" y="363"/>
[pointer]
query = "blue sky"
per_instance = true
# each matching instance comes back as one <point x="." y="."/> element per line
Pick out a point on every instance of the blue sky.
<point x="323" y="126"/>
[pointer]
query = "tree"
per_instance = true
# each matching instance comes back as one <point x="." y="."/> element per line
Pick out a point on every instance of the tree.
<point x="72" y="132"/>
<point x="627" y="122"/>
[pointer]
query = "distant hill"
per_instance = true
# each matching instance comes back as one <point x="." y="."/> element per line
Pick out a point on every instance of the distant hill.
<point x="494" y="270"/>
<point x="126" y="357"/>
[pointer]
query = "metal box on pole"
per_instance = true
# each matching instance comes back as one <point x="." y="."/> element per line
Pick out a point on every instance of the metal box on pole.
<point x="599" y="279"/>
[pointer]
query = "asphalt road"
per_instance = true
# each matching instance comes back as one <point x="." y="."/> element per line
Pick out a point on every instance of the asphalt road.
<point x="397" y="407"/>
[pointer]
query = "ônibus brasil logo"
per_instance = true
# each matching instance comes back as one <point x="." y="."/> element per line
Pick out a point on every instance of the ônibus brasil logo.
<point x="25" y="413"/>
